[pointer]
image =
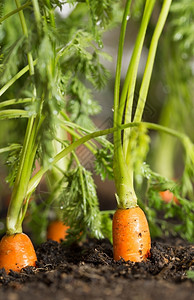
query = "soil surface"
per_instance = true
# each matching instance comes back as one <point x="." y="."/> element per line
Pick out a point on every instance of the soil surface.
<point x="88" y="271"/>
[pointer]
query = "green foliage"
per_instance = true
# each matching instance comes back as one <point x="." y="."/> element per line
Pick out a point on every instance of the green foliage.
<point x="14" y="53"/>
<point x="101" y="12"/>
<point x="52" y="3"/>
<point x="38" y="220"/>
<point x="190" y="274"/>
<point x="176" y="218"/>
<point x="182" y="23"/>
<point x="13" y="164"/>
<point x="104" y="161"/>
<point x="80" y="206"/>
<point x="81" y="104"/>
<point x="2" y="3"/>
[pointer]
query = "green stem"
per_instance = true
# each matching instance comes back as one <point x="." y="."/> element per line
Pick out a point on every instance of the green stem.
<point x="123" y="173"/>
<point x="118" y="165"/>
<point x="15" y="11"/>
<point x="127" y="96"/>
<point x="15" y="78"/>
<point x="13" y="113"/>
<point x="10" y="148"/>
<point x="119" y="60"/>
<point x="37" y="177"/>
<point x="76" y="135"/>
<point x="51" y="13"/>
<point x="90" y="145"/>
<point x="14" y="101"/>
<point x="150" y="60"/>
<point x="15" y="215"/>
<point x="82" y="181"/>
<point x="25" y="31"/>
<point x="37" y="13"/>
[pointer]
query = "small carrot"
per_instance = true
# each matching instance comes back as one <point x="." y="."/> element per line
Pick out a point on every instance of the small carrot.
<point x="131" y="236"/>
<point x="16" y="252"/>
<point x="167" y="196"/>
<point x="57" y="231"/>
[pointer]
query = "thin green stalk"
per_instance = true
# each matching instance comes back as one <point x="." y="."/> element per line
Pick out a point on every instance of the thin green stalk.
<point x="118" y="151"/>
<point x="123" y="173"/>
<point x="127" y="95"/>
<point x="119" y="60"/>
<point x="82" y="181"/>
<point x="76" y="135"/>
<point x="15" y="11"/>
<point x="13" y="113"/>
<point x="25" y="31"/>
<point x="14" y="101"/>
<point x="52" y="22"/>
<point x="37" y="177"/>
<point x="10" y="148"/>
<point x="37" y="12"/>
<point x="150" y="60"/>
<point x="15" y="214"/>
<point x="51" y="13"/>
<point x="15" y="78"/>
<point x="118" y="161"/>
<point x="90" y="145"/>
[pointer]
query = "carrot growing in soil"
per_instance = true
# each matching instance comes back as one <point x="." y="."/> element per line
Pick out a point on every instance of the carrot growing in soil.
<point x="57" y="231"/>
<point x="16" y="249"/>
<point x="16" y="252"/>
<point x="46" y="95"/>
<point x="131" y="237"/>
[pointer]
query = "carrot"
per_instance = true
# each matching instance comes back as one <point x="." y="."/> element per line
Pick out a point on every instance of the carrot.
<point x="131" y="236"/>
<point x="16" y="252"/>
<point x="168" y="196"/>
<point x="57" y="231"/>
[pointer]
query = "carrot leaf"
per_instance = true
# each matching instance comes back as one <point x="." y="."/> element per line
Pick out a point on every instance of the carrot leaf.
<point x="103" y="163"/>
<point x="80" y="205"/>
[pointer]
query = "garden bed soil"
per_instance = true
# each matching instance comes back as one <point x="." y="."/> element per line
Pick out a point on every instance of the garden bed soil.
<point x="88" y="271"/>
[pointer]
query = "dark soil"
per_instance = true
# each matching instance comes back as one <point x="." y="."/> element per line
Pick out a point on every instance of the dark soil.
<point x="87" y="271"/>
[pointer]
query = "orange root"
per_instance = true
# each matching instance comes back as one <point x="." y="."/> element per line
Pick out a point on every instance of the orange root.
<point x="57" y="231"/>
<point x="16" y="252"/>
<point x="131" y="236"/>
<point x="168" y="196"/>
